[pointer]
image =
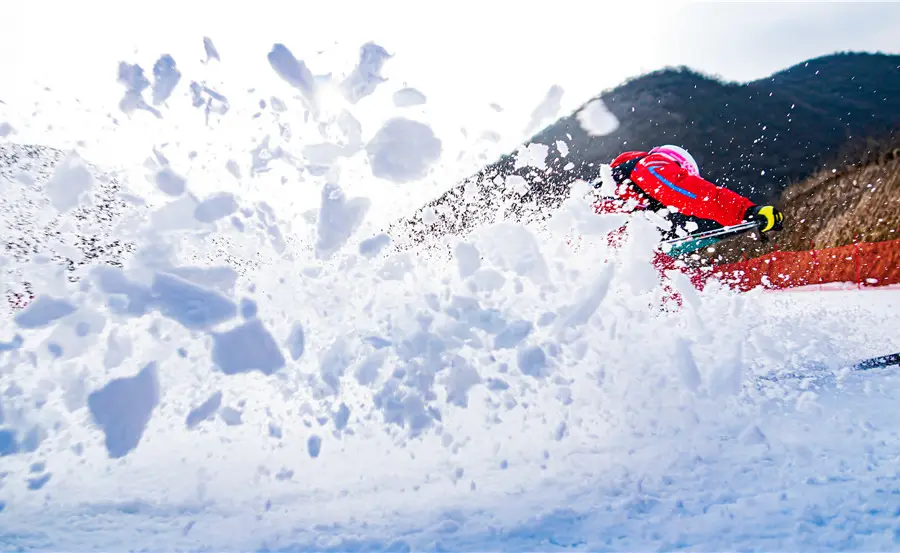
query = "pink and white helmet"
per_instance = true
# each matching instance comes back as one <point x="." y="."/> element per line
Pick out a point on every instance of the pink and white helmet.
<point x="680" y="156"/>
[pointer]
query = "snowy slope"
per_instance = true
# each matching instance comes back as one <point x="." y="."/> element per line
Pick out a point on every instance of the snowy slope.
<point x="259" y="375"/>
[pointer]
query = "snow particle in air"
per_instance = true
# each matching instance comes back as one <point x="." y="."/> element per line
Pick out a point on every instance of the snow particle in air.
<point x="403" y="150"/>
<point x="596" y="119"/>
<point x="169" y="182"/>
<point x="165" y="79"/>
<point x="408" y="97"/>
<point x="217" y="206"/>
<point x="42" y="312"/>
<point x="366" y="77"/>
<point x="123" y="408"/>
<point x="296" y="341"/>
<point x="247" y="348"/>
<point x="205" y="411"/>
<point x="314" y="446"/>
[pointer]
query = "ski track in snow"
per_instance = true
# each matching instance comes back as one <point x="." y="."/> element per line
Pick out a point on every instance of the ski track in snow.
<point x="244" y="377"/>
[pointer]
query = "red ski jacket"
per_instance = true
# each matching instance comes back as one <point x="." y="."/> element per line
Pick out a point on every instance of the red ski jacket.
<point x="656" y="180"/>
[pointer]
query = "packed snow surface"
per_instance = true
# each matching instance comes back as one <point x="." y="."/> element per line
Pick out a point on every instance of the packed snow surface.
<point x="251" y="363"/>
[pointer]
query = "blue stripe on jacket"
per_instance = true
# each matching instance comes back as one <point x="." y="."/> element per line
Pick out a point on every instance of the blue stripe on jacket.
<point x="665" y="181"/>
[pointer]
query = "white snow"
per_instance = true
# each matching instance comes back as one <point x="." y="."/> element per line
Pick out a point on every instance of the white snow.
<point x="170" y="182"/>
<point x="210" y="48"/>
<point x="403" y="150"/>
<point x="338" y="219"/>
<point x="165" y="78"/>
<point x="248" y="375"/>
<point x="215" y="207"/>
<point x="532" y="155"/>
<point x="546" y="111"/>
<point x="69" y="184"/>
<point x="294" y="72"/>
<point x="596" y="119"/>
<point x="366" y="77"/>
<point x="407" y="97"/>
<point x="516" y="184"/>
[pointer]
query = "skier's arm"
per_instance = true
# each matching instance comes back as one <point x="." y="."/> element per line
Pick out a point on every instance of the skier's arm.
<point x="690" y="195"/>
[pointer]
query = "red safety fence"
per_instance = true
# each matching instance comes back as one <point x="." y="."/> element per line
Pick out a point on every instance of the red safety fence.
<point x="864" y="264"/>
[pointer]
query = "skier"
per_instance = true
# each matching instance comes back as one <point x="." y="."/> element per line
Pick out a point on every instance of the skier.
<point x="669" y="177"/>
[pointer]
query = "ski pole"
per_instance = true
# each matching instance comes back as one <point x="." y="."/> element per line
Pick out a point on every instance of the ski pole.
<point x="878" y="362"/>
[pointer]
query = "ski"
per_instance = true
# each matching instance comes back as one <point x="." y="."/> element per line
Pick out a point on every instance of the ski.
<point x="715" y="233"/>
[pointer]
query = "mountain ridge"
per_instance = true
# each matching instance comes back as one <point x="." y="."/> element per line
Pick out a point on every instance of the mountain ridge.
<point x="755" y="137"/>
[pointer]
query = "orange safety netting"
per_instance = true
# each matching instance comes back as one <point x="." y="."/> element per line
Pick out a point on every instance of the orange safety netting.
<point x="864" y="264"/>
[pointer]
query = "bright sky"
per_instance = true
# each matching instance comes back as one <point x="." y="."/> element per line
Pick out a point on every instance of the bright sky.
<point x="510" y="52"/>
<point x="462" y="54"/>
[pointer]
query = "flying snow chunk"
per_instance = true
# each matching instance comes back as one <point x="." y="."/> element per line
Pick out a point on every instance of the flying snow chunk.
<point x="217" y="206"/>
<point x="403" y="150"/>
<point x="341" y="417"/>
<point x="249" y="309"/>
<point x="687" y="366"/>
<point x="371" y="247"/>
<point x="135" y="83"/>
<point x="596" y="119"/>
<point x="70" y="181"/>
<point x="583" y="310"/>
<point x="323" y="153"/>
<point x="468" y="259"/>
<point x="8" y="443"/>
<point x="292" y="70"/>
<point x="214" y="102"/>
<point x="367" y="75"/>
<point x="177" y="215"/>
<point x="193" y="306"/>
<point x="513" y="247"/>
<point x="462" y="378"/>
<point x="547" y="109"/>
<point x="231" y="416"/>
<point x="562" y="147"/>
<point x="5" y="129"/>
<point x="165" y="78"/>
<point x="43" y="311"/>
<point x="39" y="481"/>
<point x="352" y="129"/>
<point x="314" y="446"/>
<point x="408" y="97"/>
<point x="532" y="361"/>
<point x="608" y="184"/>
<point x="123" y="408"/>
<point x="513" y="334"/>
<point x="533" y="155"/>
<point x="205" y="411"/>
<point x="278" y="104"/>
<point x="296" y="342"/>
<point x="247" y="348"/>
<point x="338" y="219"/>
<point x="170" y="182"/>
<point x="222" y="279"/>
<point x="516" y="183"/>
<point x="211" y="52"/>
<point x="13" y="344"/>
<point x="560" y="431"/>
<point x="233" y="168"/>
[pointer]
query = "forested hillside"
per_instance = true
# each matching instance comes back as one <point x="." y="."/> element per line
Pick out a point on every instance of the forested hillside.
<point x="755" y="138"/>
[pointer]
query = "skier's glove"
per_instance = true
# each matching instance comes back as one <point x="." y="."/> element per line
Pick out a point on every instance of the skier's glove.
<point x="768" y="217"/>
